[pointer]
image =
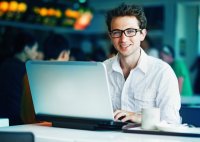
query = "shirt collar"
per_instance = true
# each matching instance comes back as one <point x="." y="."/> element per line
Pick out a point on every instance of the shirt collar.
<point x="116" y="64"/>
<point x="142" y="63"/>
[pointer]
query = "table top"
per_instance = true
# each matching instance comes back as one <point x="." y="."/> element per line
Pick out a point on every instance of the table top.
<point x="53" y="134"/>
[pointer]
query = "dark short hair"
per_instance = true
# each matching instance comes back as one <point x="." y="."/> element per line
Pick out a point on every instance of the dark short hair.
<point x="23" y="39"/>
<point x="127" y="10"/>
<point x="54" y="45"/>
<point x="168" y="50"/>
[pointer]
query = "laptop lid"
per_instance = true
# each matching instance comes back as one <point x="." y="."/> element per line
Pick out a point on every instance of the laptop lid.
<point x="70" y="89"/>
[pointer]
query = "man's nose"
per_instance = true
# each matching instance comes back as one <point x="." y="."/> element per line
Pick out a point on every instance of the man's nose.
<point x="123" y="37"/>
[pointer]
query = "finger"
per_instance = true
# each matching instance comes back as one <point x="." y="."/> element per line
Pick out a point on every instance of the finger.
<point x="120" y="115"/>
<point x="127" y="118"/>
<point x="134" y="117"/>
<point x="116" y="112"/>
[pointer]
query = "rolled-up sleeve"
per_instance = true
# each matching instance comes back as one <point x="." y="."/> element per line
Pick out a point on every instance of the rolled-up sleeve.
<point x="168" y="96"/>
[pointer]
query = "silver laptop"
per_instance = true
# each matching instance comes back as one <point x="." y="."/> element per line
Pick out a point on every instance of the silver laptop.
<point x="71" y="94"/>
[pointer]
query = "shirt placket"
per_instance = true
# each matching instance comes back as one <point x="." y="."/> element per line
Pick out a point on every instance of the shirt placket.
<point x="125" y="94"/>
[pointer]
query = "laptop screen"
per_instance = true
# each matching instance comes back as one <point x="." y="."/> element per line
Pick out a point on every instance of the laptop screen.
<point x="70" y="89"/>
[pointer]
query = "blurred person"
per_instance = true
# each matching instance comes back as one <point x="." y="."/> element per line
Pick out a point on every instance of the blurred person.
<point x="6" y="49"/>
<point x="40" y="55"/>
<point x="147" y="46"/>
<point x="12" y="70"/>
<point x="99" y="54"/>
<point x="55" y="47"/>
<point x="196" y="67"/>
<point x="137" y="80"/>
<point x="167" y="54"/>
<point x="77" y="54"/>
<point x="87" y="48"/>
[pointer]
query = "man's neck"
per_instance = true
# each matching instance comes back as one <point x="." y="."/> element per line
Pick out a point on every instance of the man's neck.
<point x="129" y="63"/>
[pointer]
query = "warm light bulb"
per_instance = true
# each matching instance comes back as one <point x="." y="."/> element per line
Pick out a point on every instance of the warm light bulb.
<point x="58" y="13"/>
<point x="43" y="11"/>
<point x="83" y="21"/>
<point x="22" y="7"/>
<point x="13" y="6"/>
<point x="4" y="6"/>
<point x="72" y="13"/>
<point x="50" y="12"/>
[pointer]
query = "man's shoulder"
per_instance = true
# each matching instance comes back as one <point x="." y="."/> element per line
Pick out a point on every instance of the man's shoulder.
<point x="157" y="61"/>
<point x="157" y="64"/>
<point x="109" y="61"/>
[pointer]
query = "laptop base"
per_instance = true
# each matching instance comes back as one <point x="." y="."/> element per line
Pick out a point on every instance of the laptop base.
<point x="82" y="123"/>
<point x="90" y="126"/>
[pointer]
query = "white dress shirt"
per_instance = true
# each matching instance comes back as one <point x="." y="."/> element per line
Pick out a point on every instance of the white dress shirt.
<point x="152" y="83"/>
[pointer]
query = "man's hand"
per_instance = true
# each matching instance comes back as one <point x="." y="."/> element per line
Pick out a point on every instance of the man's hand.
<point x="127" y="116"/>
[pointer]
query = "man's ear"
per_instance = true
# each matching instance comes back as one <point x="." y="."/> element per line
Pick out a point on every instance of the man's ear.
<point x="111" y="39"/>
<point x="109" y="35"/>
<point x="143" y="34"/>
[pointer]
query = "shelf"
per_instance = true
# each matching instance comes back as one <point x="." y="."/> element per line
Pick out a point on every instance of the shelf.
<point x="39" y="27"/>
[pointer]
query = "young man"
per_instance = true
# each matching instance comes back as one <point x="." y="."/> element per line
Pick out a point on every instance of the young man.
<point x="137" y="80"/>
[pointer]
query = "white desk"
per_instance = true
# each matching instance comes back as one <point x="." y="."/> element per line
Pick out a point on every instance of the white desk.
<point x="52" y="134"/>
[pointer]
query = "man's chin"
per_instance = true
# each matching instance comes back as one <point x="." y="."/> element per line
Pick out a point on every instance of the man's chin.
<point x="123" y="54"/>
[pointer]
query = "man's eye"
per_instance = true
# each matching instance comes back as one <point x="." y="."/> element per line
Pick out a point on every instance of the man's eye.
<point x="116" y="32"/>
<point x="130" y="31"/>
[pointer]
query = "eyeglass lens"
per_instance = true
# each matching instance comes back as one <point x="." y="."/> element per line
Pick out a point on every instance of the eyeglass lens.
<point x="128" y="32"/>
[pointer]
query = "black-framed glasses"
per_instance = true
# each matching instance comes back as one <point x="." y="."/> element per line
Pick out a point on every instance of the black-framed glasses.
<point x="128" y="32"/>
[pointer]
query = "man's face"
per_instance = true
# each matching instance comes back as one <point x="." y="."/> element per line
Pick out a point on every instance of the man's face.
<point x="127" y="46"/>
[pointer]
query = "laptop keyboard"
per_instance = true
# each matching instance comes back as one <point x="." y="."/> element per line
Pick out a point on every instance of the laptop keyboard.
<point x="113" y="125"/>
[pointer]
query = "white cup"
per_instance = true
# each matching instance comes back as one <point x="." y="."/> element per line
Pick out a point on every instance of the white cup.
<point x="150" y="117"/>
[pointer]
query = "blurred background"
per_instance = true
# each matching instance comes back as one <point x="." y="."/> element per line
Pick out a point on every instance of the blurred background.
<point x="172" y="22"/>
<point x="82" y="23"/>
